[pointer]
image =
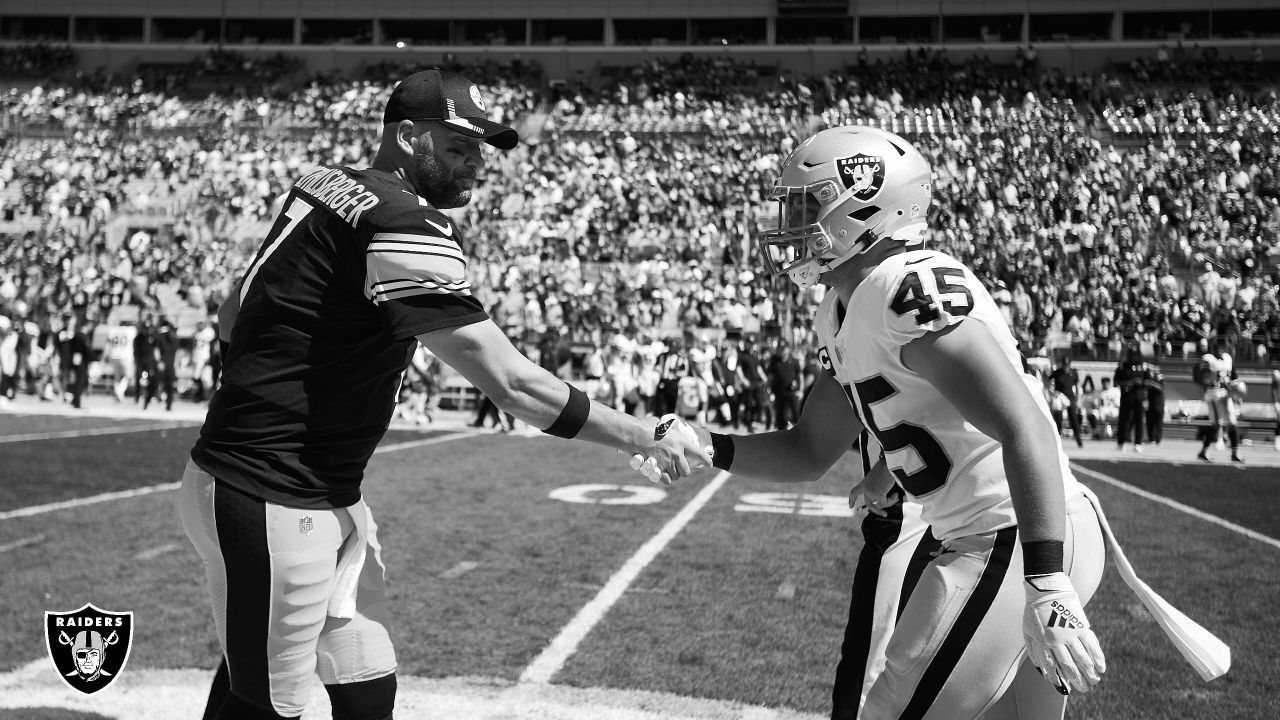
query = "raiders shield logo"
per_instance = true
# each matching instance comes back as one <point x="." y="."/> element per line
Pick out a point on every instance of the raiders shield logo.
<point x="864" y="174"/>
<point x="89" y="647"/>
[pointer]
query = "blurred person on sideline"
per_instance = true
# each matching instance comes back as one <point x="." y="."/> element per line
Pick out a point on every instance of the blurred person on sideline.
<point x="1154" y="380"/>
<point x="1065" y="383"/>
<point x="1214" y="373"/>
<point x="74" y="358"/>
<point x="1131" y="378"/>
<point x="144" y="359"/>
<point x="785" y="378"/>
<point x="164" y="350"/>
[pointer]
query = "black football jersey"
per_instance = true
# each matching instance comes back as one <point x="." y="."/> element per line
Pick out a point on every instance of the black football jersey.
<point x="355" y="266"/>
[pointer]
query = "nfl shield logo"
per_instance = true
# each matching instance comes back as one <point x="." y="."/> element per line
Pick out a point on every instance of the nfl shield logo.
<point x="89" y="647"/>
<point x="864" y="174"/>
<point x="306" y="525"/>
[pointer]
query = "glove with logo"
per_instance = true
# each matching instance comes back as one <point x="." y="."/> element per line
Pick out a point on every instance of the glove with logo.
<point x="682" y="442"/>
<point x="1059" y="640"/>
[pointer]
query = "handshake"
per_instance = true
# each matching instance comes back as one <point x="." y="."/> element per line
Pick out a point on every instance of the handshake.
<point x="678" y="450"/>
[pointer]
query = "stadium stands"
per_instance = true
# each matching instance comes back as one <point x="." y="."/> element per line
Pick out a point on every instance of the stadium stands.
<point x="1098" y="215"/>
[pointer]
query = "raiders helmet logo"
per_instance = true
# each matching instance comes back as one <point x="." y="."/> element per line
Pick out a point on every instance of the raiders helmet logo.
<point x="864" y="174"/>
<point x="89" y="647"/>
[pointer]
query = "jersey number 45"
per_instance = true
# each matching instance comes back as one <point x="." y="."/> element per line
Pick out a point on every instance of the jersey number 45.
<point x="936" y="466"/>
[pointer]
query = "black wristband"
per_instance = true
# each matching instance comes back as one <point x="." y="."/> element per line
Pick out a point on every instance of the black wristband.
<point x="1041" y="557"/>
<point x="721" y="450"/>
<point x="573" y="416"/>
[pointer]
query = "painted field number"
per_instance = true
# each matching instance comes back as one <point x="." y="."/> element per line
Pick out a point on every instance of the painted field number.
<point x="603" y="494"/>
<point x="795" y="504"/>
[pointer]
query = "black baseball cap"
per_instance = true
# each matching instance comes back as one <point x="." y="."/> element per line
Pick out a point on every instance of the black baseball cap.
<point x="448" y="98"/>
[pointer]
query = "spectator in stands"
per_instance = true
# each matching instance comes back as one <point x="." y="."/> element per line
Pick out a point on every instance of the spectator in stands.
<point x="1016" y="159"/>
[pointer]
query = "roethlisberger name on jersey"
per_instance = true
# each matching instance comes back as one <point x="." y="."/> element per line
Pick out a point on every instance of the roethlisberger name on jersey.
<point x="346" y="197"/>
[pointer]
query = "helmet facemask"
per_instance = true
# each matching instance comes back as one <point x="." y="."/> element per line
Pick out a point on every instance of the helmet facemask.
<point x="801" y="247"/>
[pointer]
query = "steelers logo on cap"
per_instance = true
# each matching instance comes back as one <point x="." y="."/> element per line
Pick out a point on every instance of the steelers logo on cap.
<point x="475" y="97"/>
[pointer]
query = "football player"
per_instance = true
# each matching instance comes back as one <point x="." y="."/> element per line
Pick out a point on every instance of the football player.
<point x="358" y="268"/>
<point x="918" y="354"/>
<point x="1215" y="373"/>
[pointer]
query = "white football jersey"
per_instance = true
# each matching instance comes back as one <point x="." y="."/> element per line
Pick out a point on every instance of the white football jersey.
<point x="946" y="464"/>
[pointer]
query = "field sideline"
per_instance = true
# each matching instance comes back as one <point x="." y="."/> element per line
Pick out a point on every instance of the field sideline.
<point x="536" y="578"/>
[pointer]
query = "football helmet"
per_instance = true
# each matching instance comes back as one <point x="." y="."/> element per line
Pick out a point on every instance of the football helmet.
<point x="839" y="193"/>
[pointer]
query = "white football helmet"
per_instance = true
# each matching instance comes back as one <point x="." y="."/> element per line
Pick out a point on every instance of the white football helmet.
<point x="839" y="193"/>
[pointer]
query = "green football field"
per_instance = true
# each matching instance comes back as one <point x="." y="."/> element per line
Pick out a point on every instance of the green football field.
<point x="711" y="598"/>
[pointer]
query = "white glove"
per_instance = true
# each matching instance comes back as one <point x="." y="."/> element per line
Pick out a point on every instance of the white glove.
<point x="1059" y="640"/>
<point x="684" y="446"/>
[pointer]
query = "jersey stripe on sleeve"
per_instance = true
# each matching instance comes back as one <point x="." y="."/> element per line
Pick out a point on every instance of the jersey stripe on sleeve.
<point x="400" y="265"/>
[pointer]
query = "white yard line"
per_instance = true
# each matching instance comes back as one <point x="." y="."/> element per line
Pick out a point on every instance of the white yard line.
<point x="164" y="487"/>
<point x="426" y="441"/>
<point x="552" y="659"/>
<point x="91" y="500"/>
<point x="88" y="432"/>
<point x="32" y="540"/>
<point x="1194" y="512"/>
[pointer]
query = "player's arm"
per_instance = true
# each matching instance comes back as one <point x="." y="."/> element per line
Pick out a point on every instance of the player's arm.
<point x="482" y="353"/>
<point x="965" y="363"/>
<point x="826" y="429"/>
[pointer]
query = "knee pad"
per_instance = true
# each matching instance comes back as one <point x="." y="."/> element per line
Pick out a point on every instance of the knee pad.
<point x="368" y="700"/>
<point x="354" y="651"/>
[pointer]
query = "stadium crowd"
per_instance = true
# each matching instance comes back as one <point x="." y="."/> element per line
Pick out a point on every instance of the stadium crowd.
<point x="622" y="225"/>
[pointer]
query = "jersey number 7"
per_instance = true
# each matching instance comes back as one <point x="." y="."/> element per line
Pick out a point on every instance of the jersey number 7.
<point x="297" y="211"/>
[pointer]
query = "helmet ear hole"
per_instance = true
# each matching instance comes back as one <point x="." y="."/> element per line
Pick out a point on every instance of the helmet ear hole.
<point x="864" y="214"/>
